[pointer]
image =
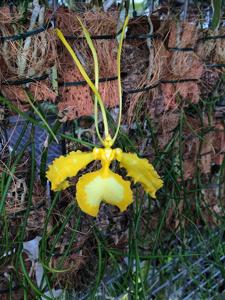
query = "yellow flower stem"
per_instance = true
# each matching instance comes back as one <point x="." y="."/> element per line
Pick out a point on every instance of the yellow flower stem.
<point x="119" y="77"/>
<point x="87" y="79"/>
<point x="96" y="69"/>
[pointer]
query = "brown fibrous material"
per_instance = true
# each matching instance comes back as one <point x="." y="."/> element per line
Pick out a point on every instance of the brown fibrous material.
<point x="76" y="101"/>
<point x="211" y="148"/>
<point x="182" y="35"/>
<point x="34" y="61"/>
<point x="23" y="59"/>
<point x="220" y="49"/>
<point x="7" y="16"/>
<point x="41" y="91"/>
<point x="183" y="65"/>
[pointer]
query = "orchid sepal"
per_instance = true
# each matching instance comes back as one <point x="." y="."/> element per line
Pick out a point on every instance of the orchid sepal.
<point x="67" y="166"/>
<point x="141" y="171"/>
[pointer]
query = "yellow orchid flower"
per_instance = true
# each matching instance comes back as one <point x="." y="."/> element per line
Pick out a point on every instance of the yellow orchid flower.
<point x="102" y="185"/>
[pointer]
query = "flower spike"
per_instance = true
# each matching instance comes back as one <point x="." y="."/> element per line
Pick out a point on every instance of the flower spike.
<point x="102" y="185"/>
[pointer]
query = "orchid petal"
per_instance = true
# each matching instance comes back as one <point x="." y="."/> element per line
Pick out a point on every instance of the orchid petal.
<point x="67" y="166"/>
<point x="141" y="171"/>
<point x="102" y="185"/>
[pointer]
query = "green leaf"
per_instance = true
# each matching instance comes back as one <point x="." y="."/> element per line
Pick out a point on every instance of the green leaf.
<point x="217" y="8"/>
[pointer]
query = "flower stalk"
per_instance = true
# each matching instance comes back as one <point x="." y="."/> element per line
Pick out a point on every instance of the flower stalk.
<point x="103" y="184"/>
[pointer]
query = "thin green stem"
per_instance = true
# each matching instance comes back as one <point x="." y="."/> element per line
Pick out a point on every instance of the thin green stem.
<point x="86" y="77"/>
<point x="29" y="281"/>
<point x="96" y="66"/>
<point x="119" y="78"/>
<point x="41" y="117"/>
<point x="94" y="87"/>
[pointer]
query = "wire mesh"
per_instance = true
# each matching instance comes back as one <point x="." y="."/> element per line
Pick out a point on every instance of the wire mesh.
<point x="199" y="277"/>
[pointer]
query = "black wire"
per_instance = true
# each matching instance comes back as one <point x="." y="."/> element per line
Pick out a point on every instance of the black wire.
<point x="24" y="35"/>
<point x="106" y="79"/>
<point x="215" y="65"/>
<point x="98" y="37"/>
<point x="180" y="49"/>
<point x="147" y="88"/>
<point x="65" y="84"/>
<point x="212" y="37"/>
<point x="178" y="80"/>
<point x="25" y="81"/>
<point x="83" y="82"/>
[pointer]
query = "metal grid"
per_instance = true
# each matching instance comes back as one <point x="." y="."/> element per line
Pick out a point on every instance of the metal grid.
<point x="199" y="277"/>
